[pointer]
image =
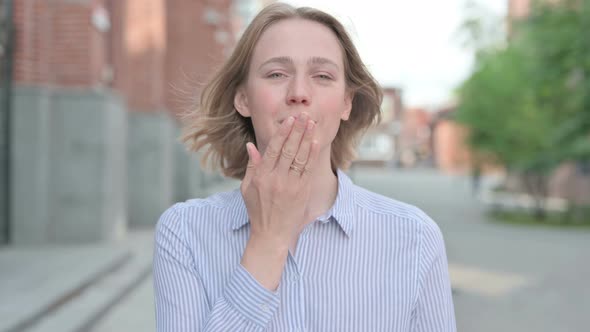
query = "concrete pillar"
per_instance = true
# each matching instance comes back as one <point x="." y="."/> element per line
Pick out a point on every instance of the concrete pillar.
<point x="151" y="162"/>
<point x="4" y="226"/>
<point x="69" y="166"/>
<point x="190" y="179"/>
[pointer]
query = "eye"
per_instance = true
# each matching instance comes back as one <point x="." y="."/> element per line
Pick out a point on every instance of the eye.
<point x="275" y="75"/>
<point x="324" y="76"/>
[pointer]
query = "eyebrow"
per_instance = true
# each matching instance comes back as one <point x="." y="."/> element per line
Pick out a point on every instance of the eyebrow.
<point x="285" y="60"/>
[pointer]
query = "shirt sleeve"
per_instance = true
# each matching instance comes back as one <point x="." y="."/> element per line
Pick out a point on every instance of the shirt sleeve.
<point x="181" y="302"/>
<point x="434" y="310"/>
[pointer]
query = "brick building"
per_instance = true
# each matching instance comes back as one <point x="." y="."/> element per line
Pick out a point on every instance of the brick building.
<point x="451" y="153"/>
<point x="518" y="8"/>
<point x="96" y="85"/>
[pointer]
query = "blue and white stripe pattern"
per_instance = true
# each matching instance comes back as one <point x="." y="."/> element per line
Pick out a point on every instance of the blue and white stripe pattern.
<point x="370" y="264"/>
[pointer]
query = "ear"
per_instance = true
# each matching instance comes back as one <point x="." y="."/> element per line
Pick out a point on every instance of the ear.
<point x="347" y="105"/>
<point x="241" y="102"/>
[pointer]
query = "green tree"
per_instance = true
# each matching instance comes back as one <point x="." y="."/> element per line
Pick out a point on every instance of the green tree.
<point x="527" y="101"/>
<point x="558" y="36"/>
<point x="498" y="105"/>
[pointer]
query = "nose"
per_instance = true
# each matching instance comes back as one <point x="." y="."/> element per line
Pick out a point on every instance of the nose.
<point x="298" y="93"/>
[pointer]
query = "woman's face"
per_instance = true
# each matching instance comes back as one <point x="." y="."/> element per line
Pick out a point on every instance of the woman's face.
<point x="296" y="67"/>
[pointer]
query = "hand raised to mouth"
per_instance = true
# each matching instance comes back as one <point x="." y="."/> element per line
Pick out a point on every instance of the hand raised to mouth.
<point x="276" y="190"/>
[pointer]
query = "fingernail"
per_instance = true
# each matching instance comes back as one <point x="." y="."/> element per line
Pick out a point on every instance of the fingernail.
<point x="290" y="120"/>
<point x="310" y="125"/>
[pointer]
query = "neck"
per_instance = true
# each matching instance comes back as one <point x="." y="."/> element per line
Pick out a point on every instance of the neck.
<point x="324" y="187"/>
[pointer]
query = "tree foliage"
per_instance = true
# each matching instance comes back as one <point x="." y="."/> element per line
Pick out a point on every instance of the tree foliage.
<point x="527" y="101"/>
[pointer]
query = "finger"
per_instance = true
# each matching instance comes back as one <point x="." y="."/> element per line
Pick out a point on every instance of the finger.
<point x="254" y="159"/>
<point x="302" y="155"/>
<point x="273" y="149"/>
<point x="292" y="144"/>
<point x="314" y="152"/>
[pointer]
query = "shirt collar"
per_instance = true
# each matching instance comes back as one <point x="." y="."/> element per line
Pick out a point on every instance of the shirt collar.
<point x="342" y="211"/>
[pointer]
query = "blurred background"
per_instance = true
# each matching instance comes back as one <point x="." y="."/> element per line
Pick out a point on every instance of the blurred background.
<point x="486" y="127"/>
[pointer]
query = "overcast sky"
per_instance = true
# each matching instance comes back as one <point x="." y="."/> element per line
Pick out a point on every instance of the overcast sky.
<point x="412" y="44"/>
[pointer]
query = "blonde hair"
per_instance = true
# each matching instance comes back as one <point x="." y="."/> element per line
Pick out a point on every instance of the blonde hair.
<point x="217" y="127"/>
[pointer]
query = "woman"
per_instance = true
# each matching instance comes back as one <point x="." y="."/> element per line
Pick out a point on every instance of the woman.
<point x="298" y="247"/>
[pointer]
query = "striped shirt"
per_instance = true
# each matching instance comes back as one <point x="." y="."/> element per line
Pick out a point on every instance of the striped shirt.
<point x="370" y="263"/>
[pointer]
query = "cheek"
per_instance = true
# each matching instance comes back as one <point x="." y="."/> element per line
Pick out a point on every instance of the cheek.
<point x="264" y="107"/>
<point x="331" y="112"/>
<point x="264" y="103"/>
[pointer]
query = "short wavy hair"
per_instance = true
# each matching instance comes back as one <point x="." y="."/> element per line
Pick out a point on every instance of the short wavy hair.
<point x="217" y="128"/>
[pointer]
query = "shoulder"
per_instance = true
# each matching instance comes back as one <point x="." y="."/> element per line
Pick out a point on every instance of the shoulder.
<point x="379" y="204"/>
<point x="395" y="210"/>
<point x="192" y="211"/>
<point x="220" y="200"/>
<point x="407" y="216"/>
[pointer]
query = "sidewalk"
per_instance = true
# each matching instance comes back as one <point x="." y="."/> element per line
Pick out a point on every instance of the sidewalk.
<point x="67" y="288"/>
<point x="70" y="288"/>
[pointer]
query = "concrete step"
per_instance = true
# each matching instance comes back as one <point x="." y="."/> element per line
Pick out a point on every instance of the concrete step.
<point x="86" y="309"/>
<point x="135" y="313"/>
<point x="68" y="287"/>
<point x="36" y="281"/>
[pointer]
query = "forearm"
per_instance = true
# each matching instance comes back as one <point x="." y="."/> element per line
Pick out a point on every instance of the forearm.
<point x="244" y="306"/>
<point x="182" y="303"/>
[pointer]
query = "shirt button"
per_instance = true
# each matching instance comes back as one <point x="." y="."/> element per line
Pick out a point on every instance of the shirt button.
<point x="264" y="307"/>
<point x="295" y="278"/>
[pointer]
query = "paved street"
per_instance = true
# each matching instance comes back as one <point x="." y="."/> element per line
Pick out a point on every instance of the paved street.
<point x="505" y="278"/>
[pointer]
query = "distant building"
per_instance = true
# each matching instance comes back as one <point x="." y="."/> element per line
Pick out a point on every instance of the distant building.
<point x="244" y="11"/>
<point x="518" y="8"/>
<point x="380" y="144"/>
<point x="450" y="151"/>
<point x="415" y="146"/>
<point x="95" y="91"/>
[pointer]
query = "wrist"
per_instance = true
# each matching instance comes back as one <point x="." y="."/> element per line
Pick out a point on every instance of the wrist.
<point x="268" y="243"/>
<point x="264" y="258"/>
